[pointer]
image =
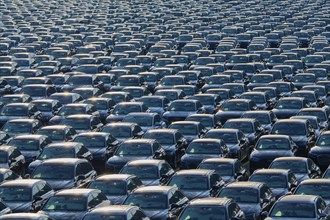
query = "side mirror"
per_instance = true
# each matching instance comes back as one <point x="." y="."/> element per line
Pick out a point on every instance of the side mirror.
<point x="26" y="176"/>
<point x="264" y="214"/>
<point x="174" y="206"/>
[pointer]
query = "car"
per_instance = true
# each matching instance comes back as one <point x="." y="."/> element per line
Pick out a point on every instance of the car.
<point x="12" y="159"/>
<point x="303" y="168"/>
<point x="251" y="128"/>
<point x="57" y="133"/>
<point x="83" y="123"/>
<point x="173" y="142"/>
<point x="118" y="97"/>
<point x="209" y="101"/>
<point x="234" y="108"/>
<point x="123" y="130"/>
<point x="289" y="106"/>
<point x="29" y="145"/>
<point x="253" y="198"/>
<point x="101" y="144"/>
<point x="197" y="183"/>
<point x="230" y="169"/>
<point x="64" y="173"/>
<point x="317" y="187"/>
<point x="25" y="195"/>
<point x="310" y="96"/>
<point x="73" y="203"/>
<point x="300" y="131"/>
<point x="133" y="150"/>
<point x="200" y="149"/>
<point x="126" y="212"/>
<point x="19" y="111"/>
<point x="285" y="88"/>
<point x="319" y="153"/>
<point x="103" y="106"/>
<point x="123" y="108"/>
<point x="281" y="182"/>
<point x="261" y="99"/>
<point x="209" y="121"/>
<point x="158" y="202"/>
<point x="298" y="207"/>
<point x="189" y="129"/>
<point x="270" y="147"/>
<point x="73" y="109"/>
<point x="303" y="79"/>
<point x="179" y="110"/>
<point x="61" y="150"/>
<point x="171" y="94"/>
<point x="83" y="80"/>
<point x="116" y="187"/>
<point x="24" y="216"/>
<point x="146" y="120"/>
<point x="15" y="98"/>
<point x="38" y="91"/>
<point x="47" y="107"/>
<point x="322" y="113"/>
<point x="234" y="139"/>
<point x="212" y="208"/>
<point x="265" y="117"/>
<point x="157" y="104"/>
<point x="66" y="97"/>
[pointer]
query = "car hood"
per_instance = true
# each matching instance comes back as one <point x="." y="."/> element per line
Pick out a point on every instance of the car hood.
<point x="150" y="182"/>
<point x="192" y="194"/>
<point x="278" y="192"/>
<point x="320" y="150"/>
<point x="156" y="214"/>
<point x="116" y="200"/>
<point x="65" y="215"/>
<point x="270" y="154"/>
<point x="19" y="206"/>
<point x="56" y="120"/>
<point x="250" y="208"/>
<point x="61" y="184"/>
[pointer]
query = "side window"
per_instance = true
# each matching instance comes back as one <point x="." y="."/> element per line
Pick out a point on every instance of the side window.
<point x="238" y="167"/>
<point x="137" y="130"/>
<point x="233" y="210"/>
<point x="82" y="150"/>
<point x="15" y="154"/>
<point x="320" y="206"/>
<point x="138" y="215"/>
<point x="214" y="178"/>
<point x="83" y="168"/>
<point x="133" y="183"/>
<point x="176" y="197"/>
<point x="157" y="119"/>
<point x="97" y="198"/>
<point x="177" y="136"/>
<point x="155" y="147"/>
<point x="95" y="121"/>
<point x="165" y="168"/>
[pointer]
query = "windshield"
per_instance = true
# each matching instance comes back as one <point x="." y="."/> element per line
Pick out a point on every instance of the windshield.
<point x="235" y="106"/>
<point x="272" y="180"/>
<point x="182" y="106"/>
<point x="289" y="104"/>
<point x="57" y="152"/>
<point x="71" y="110"/>
<point x="54" y="172"/>
<point x="245" y="127"/>
<point x="148" y="200"/>
<point x="54" y="135"/>
<point x="204" y="148"/>
<point x="240" y="195"/>
<point x="204" y="212"/>
<point x="273" y="144"/>
<point x="323" y="141"/>
<point x="185" y="129"/>
<point x="152" y="102"/>
<point x="294" y="166"/>
<point x="109" y="187"/>
<point x="140" y="120"/>
<point x="15" y="111"/>
<point x="134" y="149"/>
<point x="318" y="189"/>
<point x="221" y="168"/>
<point x="118" y="131"/>
<point x="190" y="182"/>
<point x="293" y="210"/>
<point x="162" y="138"/>
<point x="15" y="193"/>
<point x="93" y="216"/>
<point x="44" y="107"/>
<point x="262" y="118"/>
<point x="91" y="141"/>
<point x="141" y="171"/>
<point x="125" y="109"/>
<point x="289" y="129"/>
<point x="34" y="91"/>
<point x="228" y="138"/>
<point x="77" y="123"/>
<point x="65" y="203"/>
<point x="17" y="128"/>
<point x="25" y="144"/>
<point x="80" y="81"/>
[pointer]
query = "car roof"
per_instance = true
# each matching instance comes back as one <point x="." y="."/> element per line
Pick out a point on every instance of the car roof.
<point x="210" y="202"/>
<point x="315" y="181"/>
<point x="144" y="162"/>
<point x="291" y="158"/>
<point x="114" y="177"/>
<point x="193" y="172"/>
<point x="61" y="161"/>
<point x="56" y="127"/>
<point x="274" y="136"/>
<point x="220" y="160"/>
<point x="154" y="189"/>
<point x="75" y="192"/>
<point x="113" y="209"/>
<point x="298" y="198"/>
<point x="22" y="182"/>
<point x="271" y="171"/>
<point x="255" y="185"/>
